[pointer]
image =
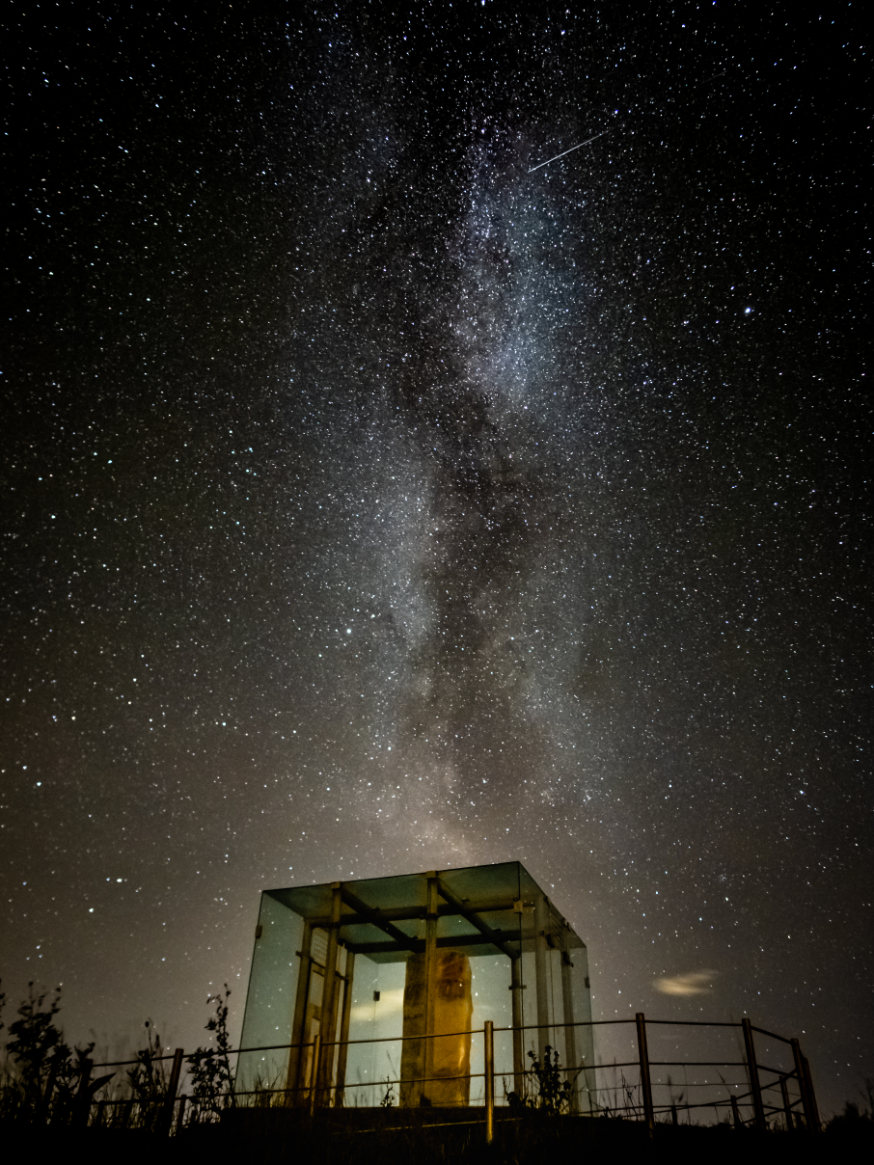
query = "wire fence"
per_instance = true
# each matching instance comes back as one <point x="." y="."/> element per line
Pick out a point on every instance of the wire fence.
<point x="648" y="1084"/>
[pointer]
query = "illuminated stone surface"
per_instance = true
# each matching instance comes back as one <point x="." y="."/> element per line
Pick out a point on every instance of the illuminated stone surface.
<point x="453" y="1012"/>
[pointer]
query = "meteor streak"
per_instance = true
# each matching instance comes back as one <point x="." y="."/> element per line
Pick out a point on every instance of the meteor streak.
<point x="570" y="151"/>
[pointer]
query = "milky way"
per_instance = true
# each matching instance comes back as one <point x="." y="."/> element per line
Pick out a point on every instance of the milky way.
<point x="381" y="498"/>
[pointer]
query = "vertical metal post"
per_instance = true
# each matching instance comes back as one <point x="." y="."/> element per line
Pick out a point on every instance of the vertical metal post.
<point x="787" y="1107"/>
<point x="570" y="1043"/>
<point x="645" y="1081"/>
<point x="345" y="1019"/>
<point x="541" y="926"/>
<point x="433" y="889"/>
<point x="314" y="1070"/>
<point x="489" y="1061"/>
<point x="753" y="1069"/>
<point x="516" y="987"/>
<point x="328" y="1025"/>
<point x="294" y="1081"/>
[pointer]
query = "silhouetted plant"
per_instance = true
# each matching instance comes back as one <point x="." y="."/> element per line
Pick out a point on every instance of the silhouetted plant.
<point x="147" y="1080"/>
<point x="36" y="1042"/>
<point x="40" y="1056"/>
<point x="212" y="1082"/>
<point x="49" y="1085"/>
<point x="553" y="1093"/>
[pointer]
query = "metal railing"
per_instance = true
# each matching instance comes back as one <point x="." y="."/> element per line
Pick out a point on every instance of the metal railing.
<point x="765" y="1097"/>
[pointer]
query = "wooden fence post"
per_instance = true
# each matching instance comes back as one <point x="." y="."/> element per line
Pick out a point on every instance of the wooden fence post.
<point x="753" y="1069"/>
<point x="805" y="1087"/>
<point x="645" y="1082"/>
<point x="815" y="1127"/>
<point x="489" y="1058"/>
<point x="735" y="1112"/>
<point x="180" y="1119"/>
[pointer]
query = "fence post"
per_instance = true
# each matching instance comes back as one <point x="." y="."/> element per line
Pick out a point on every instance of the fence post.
<point x="735" y="1112"/>
<point x="805" y="1087"/>
<point x="489" y="1060"/>
<point x="645" y="1082"/>
<point x="787" y="1107"/>
<point x="802" y="1083"/>
<point x="314" y="1070"/>
<point x="165" y="1120"/>
<point x="753" y="1069"/>
<point x="180" y="1119"/>
<point x="815" y="1127"/>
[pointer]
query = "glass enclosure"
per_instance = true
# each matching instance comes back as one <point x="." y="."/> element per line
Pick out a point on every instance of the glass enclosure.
<point x="397" y="976"/>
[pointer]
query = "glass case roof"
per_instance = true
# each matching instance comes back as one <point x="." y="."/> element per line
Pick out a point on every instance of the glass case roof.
<point x="483" y="910"/>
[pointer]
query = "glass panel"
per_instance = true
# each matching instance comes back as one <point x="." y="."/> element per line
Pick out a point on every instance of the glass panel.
<point x="584" y="1038"/>
<point x="377" y="1014"/>
<point x="492" y="999"/>
<point x="529" y="1005"/>
<point x="392" y="893"/>
<point x="271" y="995"/>
<point x="482" y="884"/>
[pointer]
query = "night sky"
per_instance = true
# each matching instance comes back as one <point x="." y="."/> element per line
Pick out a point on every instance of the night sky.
<point x="376" y="501"/>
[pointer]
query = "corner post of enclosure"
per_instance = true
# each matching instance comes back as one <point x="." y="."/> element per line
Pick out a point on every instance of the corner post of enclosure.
<point x="753" y="1070"/>
<point x="518" y="1046"/>
<point x="645" y="1080"/>
<point x="343" y="1050"/>
<point x="570" y="1043"/>
<point x="329" y="998"/>
<point x="541" y="926"/>
<point x="489" y="1063"/>
<point x="432" y="891"/>
<point x="294" y="1082"/>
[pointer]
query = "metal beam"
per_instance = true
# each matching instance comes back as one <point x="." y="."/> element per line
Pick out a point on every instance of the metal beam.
<point x="374" y="915"/>
<point x="458" y="942"/>
<point x="356" y="919"/>
<point x="405" y="914"/>
<point x="474" y="919"/>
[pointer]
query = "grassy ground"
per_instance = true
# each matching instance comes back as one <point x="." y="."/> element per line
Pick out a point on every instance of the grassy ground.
<point x="272" y="1138"/>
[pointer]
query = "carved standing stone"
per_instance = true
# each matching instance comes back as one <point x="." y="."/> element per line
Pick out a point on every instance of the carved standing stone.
<point x="453" y="1012"/>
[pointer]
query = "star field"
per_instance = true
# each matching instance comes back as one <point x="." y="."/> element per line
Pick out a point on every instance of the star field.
<point x="380" y="498"/>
